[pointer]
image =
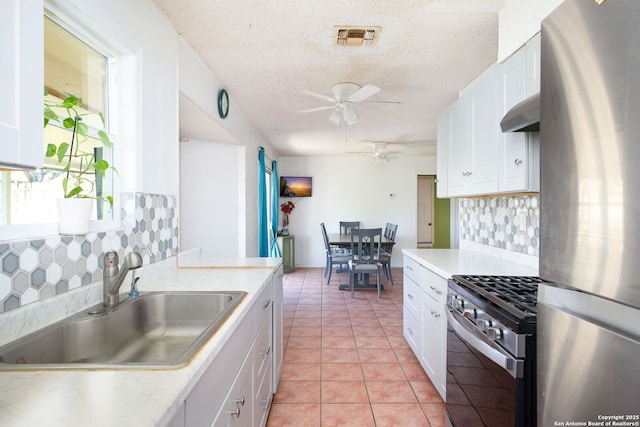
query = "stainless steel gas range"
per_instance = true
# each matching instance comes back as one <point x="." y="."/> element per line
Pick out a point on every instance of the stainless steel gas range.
<point x="491" y="351"/>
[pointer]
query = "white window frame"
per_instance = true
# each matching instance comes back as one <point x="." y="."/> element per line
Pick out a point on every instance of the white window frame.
<point x="106" y="47"/>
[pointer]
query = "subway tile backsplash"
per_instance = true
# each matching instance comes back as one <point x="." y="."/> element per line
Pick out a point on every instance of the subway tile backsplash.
<point x="32" y="270"/>
<point x="510" y="222"/>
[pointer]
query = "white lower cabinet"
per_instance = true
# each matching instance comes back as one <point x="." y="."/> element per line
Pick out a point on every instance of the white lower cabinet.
<point x="434" y="343"/>
<point x="237" y="408"/>
<point x="424" y="319"/>
<point x="237" y="389"/>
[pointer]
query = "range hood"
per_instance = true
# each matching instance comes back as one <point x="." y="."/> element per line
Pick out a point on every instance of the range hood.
<point x="523" y="117"/>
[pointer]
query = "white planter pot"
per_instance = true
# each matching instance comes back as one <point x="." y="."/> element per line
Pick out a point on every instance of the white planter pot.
<point x="74" y="215"/>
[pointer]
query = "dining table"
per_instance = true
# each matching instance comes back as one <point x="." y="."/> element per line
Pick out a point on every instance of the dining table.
<point x="343" y="240"/>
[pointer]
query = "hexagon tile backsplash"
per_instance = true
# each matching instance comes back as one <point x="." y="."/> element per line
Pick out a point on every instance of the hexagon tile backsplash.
<point x="36" y="269"/>
<point x="509" y="222"/>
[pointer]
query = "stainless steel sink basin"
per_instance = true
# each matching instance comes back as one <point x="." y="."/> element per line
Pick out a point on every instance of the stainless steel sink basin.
<point x="154" y="330"/>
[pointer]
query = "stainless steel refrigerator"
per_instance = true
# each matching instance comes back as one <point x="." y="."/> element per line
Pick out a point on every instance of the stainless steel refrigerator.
<point x="589" y="319"/>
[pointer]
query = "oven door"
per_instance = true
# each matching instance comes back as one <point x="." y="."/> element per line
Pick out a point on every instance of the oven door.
<point x="485" y="384"/>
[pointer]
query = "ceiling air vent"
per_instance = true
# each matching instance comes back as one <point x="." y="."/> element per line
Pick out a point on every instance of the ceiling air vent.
<point x="355" y="36"/>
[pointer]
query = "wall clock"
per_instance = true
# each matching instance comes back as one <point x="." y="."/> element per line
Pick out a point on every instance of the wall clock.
<point x="223" y="103"/>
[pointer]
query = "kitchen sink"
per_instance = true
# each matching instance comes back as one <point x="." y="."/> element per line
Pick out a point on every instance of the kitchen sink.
<point x="153" y="330"/>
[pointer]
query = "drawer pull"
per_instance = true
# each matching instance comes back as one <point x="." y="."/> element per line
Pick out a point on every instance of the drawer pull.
<point x="266" y="304"/>
<point x="408" y="267"/>
<point x="434" y="289"/>
<point x="435" y="314"/>
<point x="410" y="296"/>
<point x="266" y="351"/>
<point x="410" y="331"/>
<point x="236" y="413"/>
<point x="240" y="401"/>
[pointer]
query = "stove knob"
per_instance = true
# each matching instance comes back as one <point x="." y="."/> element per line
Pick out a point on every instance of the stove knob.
<point x="458" y="302"/>
<point x="470" y="313"/>
<point x="483" y="324"/>
<point x="494" y="334"/>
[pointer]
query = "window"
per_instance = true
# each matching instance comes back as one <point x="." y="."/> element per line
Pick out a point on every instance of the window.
<point x="71" y="66"/>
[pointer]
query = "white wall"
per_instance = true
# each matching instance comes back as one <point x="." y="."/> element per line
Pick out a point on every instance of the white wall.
<point x="210" y="197"/>
<point x="351" y="188"/>
<point x="518" y="21"/>
<point x="201" y="86"/>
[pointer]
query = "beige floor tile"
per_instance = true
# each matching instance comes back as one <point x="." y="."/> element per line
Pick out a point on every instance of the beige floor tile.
<point x="347" y="414"/>
<point x="399" y="414"/>
<point x="377" y="355"/>
<point x="344" y="392"/>
<point x="339" y="355"/>
<point x="338" y="342"/>
<point x="303" y="355"/>
<point x="390" y="392"/>
<point x="301" y="372"/>
<point x="372" y="342"/>
<point x="425" y="391"/>
<point x="435" y="413"/>
<point x="342" y="372"/>
<point x="383" y="372"/>
<point x="305" y="342"/>
<point x="322" y="326"/>
<point x="298" y="392"/>
<point x="294" y="415"/>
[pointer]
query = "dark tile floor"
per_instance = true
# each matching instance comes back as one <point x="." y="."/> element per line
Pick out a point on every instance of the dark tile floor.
<point x="346" y="362"/>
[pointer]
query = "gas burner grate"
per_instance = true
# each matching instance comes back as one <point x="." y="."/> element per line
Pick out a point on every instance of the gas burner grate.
<point x="516" y="294"/>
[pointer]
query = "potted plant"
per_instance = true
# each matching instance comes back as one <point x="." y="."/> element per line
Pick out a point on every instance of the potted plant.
<point x="78" y="161"/>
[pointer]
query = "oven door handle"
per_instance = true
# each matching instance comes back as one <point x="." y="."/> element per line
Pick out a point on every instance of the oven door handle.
<point x="514" y="366"/>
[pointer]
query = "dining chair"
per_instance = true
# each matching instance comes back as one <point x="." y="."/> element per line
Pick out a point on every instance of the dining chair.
<point x="385" y="254"/>
<point x="333" y="257"/>
<point x="346" y="226"/>
<point x="365" y="256"/>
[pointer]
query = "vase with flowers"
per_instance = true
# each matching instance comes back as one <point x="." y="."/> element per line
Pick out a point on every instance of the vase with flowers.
<point x="286" y="209"/>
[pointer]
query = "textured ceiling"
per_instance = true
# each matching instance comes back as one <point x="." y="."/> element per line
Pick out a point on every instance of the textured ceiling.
<point x="266" y="52"/>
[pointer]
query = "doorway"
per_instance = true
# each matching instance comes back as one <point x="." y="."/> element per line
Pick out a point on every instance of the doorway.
<point x="432" y="217"/>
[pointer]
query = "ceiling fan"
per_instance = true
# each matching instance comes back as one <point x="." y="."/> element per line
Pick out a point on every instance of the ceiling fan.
<point x="380" y="154"/>
<point x="346" y="97"/>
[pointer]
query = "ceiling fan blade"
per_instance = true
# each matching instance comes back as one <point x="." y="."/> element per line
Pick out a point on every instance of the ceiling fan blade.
<point x="310" y="110"/>
<point x="318" y="95"/>
<point x="381" y="105"/>
<point x="364" y="93"/>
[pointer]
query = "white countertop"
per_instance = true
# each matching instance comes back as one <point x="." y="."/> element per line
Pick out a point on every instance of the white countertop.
<point x="129" y="397"/>
<point x="447" y="262"/>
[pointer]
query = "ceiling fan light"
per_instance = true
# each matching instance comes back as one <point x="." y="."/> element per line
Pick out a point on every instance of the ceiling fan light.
<point x="350" y="115"/>
<point x="335" y="117"/>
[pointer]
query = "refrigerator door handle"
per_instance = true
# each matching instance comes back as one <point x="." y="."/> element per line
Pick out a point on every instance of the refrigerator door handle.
<point x="504" y="360"/>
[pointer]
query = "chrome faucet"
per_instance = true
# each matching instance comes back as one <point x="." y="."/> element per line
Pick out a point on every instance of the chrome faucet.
<point x="112" y="276"/>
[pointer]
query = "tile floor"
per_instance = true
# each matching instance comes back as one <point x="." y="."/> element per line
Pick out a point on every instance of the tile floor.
<point x="346" y="362"/>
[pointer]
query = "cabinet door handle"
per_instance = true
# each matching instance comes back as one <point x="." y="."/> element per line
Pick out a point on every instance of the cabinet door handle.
<point x="517" y="162"/>
<point x="240" y="401"/>
<point x="266" y="351"/>
<point x="266" y="304"/>
<point x="434" y="289"/>
<point x="408" y="267"/>
<point x="410" y="296"/>
<point x="410" y="331"/>
<point x="236" y="412"/>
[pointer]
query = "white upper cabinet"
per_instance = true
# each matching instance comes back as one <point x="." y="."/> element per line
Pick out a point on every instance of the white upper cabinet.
<point x="474" y="157"/>
<point x="22" y="84"/>
<point x="532" y="53"/>
<point x="442" y="154"/>
<point x="473" y="144"/>
<point x="519" y="151"/>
